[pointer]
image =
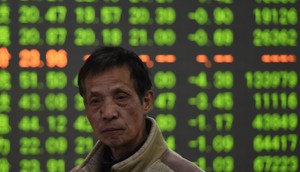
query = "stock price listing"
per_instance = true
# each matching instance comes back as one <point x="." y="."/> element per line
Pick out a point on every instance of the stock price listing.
<point x="225" y="74"/>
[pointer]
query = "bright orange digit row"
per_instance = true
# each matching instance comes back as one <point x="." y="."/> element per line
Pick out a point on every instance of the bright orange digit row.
<point x="278" y="58"/>
<point x="4" y="57"/>
<point x="56" y="58"/>
<point x="32" y="58"/>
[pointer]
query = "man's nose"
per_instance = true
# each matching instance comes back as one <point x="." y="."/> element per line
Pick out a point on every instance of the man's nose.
<point x="109" y="110"/>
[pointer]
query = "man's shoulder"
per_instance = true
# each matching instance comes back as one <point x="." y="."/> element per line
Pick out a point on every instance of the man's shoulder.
<point x="177" y="163"/>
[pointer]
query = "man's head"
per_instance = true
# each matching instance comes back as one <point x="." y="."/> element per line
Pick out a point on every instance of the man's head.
<point x="117" y="93"/>
<point x="104" y="58"/>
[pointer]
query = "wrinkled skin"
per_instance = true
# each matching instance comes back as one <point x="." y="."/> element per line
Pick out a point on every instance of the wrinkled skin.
<point x="115" y="111"/>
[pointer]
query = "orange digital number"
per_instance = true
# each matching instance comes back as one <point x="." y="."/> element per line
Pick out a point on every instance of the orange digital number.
<point x="56" y="58"/>
<point x="4" y="57"/>
<point x="147" y="60"/>
<point x="169" y="58"/>
<point x="223" y="58"/>
<point x="30" y="58"/>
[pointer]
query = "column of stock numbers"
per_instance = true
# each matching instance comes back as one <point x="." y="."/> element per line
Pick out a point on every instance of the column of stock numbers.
<point x="5" y="88"/>
<point x="275" y="92"/>
<point x="215" y="99"/>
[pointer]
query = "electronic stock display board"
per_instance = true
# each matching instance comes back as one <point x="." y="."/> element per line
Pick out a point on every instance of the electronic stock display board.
<point x="225" y="74"/>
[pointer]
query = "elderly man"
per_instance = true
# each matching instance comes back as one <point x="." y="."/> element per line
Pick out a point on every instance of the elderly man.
<point x="118" y="96"/>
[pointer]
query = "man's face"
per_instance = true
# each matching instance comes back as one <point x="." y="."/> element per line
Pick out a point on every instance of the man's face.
<point x="114" y="109"/>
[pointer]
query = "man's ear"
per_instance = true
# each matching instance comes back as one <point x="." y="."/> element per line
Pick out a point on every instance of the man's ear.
<point x="148" y="101"/>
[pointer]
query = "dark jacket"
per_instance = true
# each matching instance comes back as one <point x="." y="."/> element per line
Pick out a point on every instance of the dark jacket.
<point x="153" y="156"/>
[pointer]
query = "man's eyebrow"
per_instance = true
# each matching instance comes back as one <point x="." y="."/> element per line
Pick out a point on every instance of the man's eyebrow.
<point x="121" y="89"/>
<point x="94" y="94"/>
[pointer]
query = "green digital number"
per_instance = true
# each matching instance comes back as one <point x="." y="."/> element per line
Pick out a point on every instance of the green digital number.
<point x="165" y="101"/>
<point x="56" y="165"/>
<point x="200" y="16"/>
<point x="82" y="124"/>
<point x="200" y="122"/>
<point x="57" y="145"/>
<point x="165" y="79"/>
<point x="5" y="36"/>
<point x="56" y="102"/>
<point x="56" y="36"/>
<point x="171" y="142"/>
<point x="85" y="14"/>
<point x="57" y="123"/>
<point x="5" y="80"/>
<point x="28" y="80"/>
<point x="275" y="122"/>
<point x="83" y="144"/>
<point x="200" y="101"/>
<point x="29" y="146"/>
<point x="224" y="121"/>
<point x="224" y="101"/>
<point x="276" y="100"/>
<point x="200" y="37"/>
<point x="4" y="14"/>
<point x="275" y="143"/>
<point x="56" y="14"/>
<point x="222" y="143"/>
<point x="223" y="16"/>
<point x="166" y="122"/>
<point x="84" y="37"/>
<point x="56" y="80"/>
<point x="4" y="146"/>
<point x="200" y="80"/>
<point x="165" y="15"/>
<point x="5" y="102"/>
<point x="223" y="37"/>
<point x="271" y="79"/>
<point x="138" y="15"/>
<point x="78" y="102"/>
<point x="29" y="36"/>
<point x="29" y="123"/>
<point x="223" y="79"/>
<point x="30" y="101"/>
<point x="199" y="143"/>
<point x="275" y="163"/>
<point x="30" y="165"/>
<point x="5" y="165"/>
<point x="281" y="16"/>
<point x="79" y="161"/>
<point x="201" y="162"/>
<point x="164" y="37"/>
<point x="223" y="164"/>
<point x="275" y="37"/>
<point x="138" y="37"/>
<point x="110" y="15"/>
<point x="112" y="36"/>
<point x="29" y="14"/>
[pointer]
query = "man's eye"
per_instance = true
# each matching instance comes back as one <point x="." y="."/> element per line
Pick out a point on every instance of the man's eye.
<point x="122" y="97"/>
<point x="93" y="101"/>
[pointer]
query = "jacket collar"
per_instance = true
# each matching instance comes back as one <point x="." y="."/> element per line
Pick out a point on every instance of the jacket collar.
<point x="151" y="151"/>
